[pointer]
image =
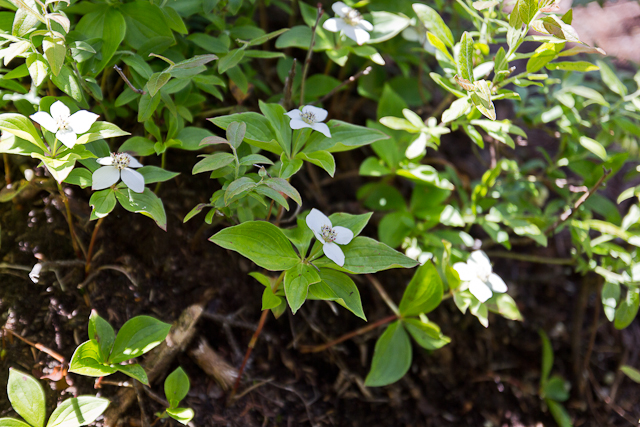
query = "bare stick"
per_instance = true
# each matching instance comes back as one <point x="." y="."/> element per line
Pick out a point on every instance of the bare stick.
<point x="307" y="61"/>
<point x="288" y="86"/>
<point x="126" y="80"/>
<point x="143" y="414"/>
<point x="370" y="327"/>
<point x="531" y="258"/>
<point x="343" y="84"/>
<point x="387" y="299"/>
<point x="566" y="215"/>
<point x="87" y="265"/>
<point x="40" y="347"/>
<point x="74" y="238"/>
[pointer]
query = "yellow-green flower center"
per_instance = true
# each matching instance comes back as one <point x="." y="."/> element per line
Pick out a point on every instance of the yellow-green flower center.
<point x="353" y="17"/>
<point x="308" y="117"/>
<point x="120" y="160"/>
<point x="328" y="234"/>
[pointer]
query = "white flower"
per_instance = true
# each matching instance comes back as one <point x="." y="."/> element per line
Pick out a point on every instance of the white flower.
<point x="34" y="275"/>
<point x="116" y="166"/>
<point x="329" y="235"/>
<point x="66" y="127"/>
<point x="309" y="117"/>
<point x="483" y="282"/>
<point x="350" y="22"/>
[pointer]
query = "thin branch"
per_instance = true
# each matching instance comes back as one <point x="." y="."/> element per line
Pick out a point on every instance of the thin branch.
<point x="288" y="86"/>
<point x="387" y="299"/>
<point x="92" y="276"/>
<point x="307" y="61"/>
<point x="566" y="215"/>
<point x="143" y="414"/>
<point x="40" y="347"/>
<point x="531" y="258"/>
<point x="348" y="81"/>
<point x="126" y="80"/>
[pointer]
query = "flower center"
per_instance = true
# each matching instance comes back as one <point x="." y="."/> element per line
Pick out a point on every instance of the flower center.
<point x="328" y="234"/>
<point x="120" y="160"/>
<point x="62" y="124"/>
<point x="308" y="117"/>
<point x="353" y="17"/>
<point x="483" y="274"/>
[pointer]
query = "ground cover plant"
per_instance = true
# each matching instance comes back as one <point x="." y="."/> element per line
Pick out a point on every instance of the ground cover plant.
<point x="439" y="196"/>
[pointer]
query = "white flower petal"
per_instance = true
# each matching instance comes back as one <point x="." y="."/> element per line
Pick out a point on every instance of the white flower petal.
<point x="482" y="261"/>
<point x="294" y="114"/>
<point x="349" y="31"/>
<point x="322" y="128"/>
<point x="340" y="8"/>
<point x="334" y="253"/>
<point x="105" y="177"/>
<point x="365" y="25"/>
<point x="417" y="147"/>
<point x="319" y="113"/>
<point x="59" y="111"/>
<point x="133" y="179"/>
<point x="67" y="137"/>
<point x="315" y="221"/>
<point x="81" y="121"/>
<point x="133" y="163"/>
<point x="45" y="120"/>
<point x="105" y="161"/>
<point x="497" y="284"/>
<point x="360" y="36"/>
<point x="331" y="25"/>
<point x="298" y="124"/>
<point x="480" y="290"/>
<point x="34" y="275"/>
<point x="343" y="235"/>
<point x="465" y="271"/>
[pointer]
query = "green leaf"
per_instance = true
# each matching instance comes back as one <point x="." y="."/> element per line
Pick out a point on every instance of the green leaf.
<point x="344" y="137"/>
<point x="55" y="52"/>
<point x="391" y="357"/>
<point x="194" y="62"/>
<point x="465" y="57"/>
<point x="12" y="422"/>
<point x="338" y="287"/>
<point x="547" y="357"/>
<point x="631" y="372"/>
<point x="252" y="159"/>
<point x="238" y="188"/>
<point x="22" y="127"/>
<point x="581" y="66"/>
<point x="101" y="130"/>
<point x="424" y="292"/>
<point x="38" y="68"/>
<point x="296" y="284"/>
<point x="270" y="300"/>
<point x="365" y="255"/>
<point x="102" y="202"/>
<point x="235" y="133"/>
<point x="279" y="121"/>
<point x="434" y="23"/>
<point x="556" y="389"/>
<point x="27" y="397"/>
<point x="88" y="361"/>
<point x="627" y="310"/>
<point x="283" y="186"/>
<point x="505" y="306"/>
<point x="146" y="203"/>
<point x="259" y="132"/>
<point x="355" y="223"/>
<point x="147" y="30"/>
<point x="135" y="371"/>
<point x="610" y="297"/>
<point x="137" y="336"/>
<point x="154" y="174"/>
<point x="147" y="106"/>
<point x="395" y="227"/>
<point x="67" y="82"/>
<point x="594" y="146"/>
<point x="559" y="413"/>
<point x="386" y="25"/>
<point x="108" y="25"/>
<point x="261" y="242"/>
<point x="61" y="166"/>
<point x="156" y="81"/>
<point x="101" y="334"/>
<point x="323" y="159"/>
<point x="78" y="411"/>
<point x="176" y="386"/>
<point x="213" y="162"/>
<point x="139" y="146"/>
<point x="230" y="60"/>
<point x="426" y="334"/>
<point x="182" y="415"/>
<point x="611" y="79"/>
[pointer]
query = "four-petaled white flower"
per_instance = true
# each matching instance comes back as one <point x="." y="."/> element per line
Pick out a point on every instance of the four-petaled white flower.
<point x="483" y="282"/>
<point x="350" y="22"/>
<point x="309" y="117"/>
<point x="114" y="167"/>
<point x="329" y="235"/>
<point x="65" y="125"/>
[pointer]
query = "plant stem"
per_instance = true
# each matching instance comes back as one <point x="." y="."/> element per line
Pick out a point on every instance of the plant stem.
<point x="351" y="79"/>
<point x="87" y="265"/>
<point x="252" y="343"/>
<point x="387" y="299"/>
<point x="74" y="238"/>
<point x="531" y="258"/>
<point x="307" y="61"/>
<point x="7" y="168"/>
<point x="163" y="161"/>
<point x="370" y="327"/>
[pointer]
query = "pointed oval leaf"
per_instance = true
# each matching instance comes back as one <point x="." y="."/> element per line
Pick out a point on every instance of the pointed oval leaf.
<point x="137" y="336"/>
<point x="391" y="357"/>
<point x="78" y="411"/>
<point x="27" y="397"/>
